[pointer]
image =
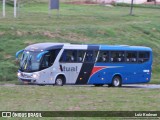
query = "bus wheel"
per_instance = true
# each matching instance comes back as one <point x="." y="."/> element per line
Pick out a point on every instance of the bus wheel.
<point x="116" y="82"/>
<point x="59" y="81"/>
<point x="98" y="85"/>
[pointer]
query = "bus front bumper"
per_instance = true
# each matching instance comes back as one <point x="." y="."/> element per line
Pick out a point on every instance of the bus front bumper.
<point x="27" y="81"/>
<point x="27" y="77"/>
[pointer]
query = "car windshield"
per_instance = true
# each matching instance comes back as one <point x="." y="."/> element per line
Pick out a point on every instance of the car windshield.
<point x="29" y="62"/>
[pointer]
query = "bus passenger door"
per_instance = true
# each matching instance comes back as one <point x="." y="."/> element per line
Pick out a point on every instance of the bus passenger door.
<point x="46" y="66"/>
<point x="46" y="76"/>
<point x="45" y="72"/>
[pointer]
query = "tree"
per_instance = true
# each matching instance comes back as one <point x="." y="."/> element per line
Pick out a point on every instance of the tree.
<point x="131" y="9"/>
<point x="155" y="2"/>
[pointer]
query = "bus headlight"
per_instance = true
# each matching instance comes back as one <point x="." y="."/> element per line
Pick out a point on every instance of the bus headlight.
<point x="18" y="74"/>
<point x="35" y="76"/>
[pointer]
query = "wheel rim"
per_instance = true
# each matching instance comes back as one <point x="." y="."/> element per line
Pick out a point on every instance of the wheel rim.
<point x="116" y="82"/>
<point x="59" y="81"/>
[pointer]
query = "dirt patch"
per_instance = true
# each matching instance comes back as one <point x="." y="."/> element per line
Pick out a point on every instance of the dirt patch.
<point x="152" y="3"/>
<point x="70" y="36"/>
<point x="76" y="108"/>
<point x="8" y="85"/>
<point x="82" y="2"/>
<point x="20" y="33"/>
<point x="2" y="33"/>
<point x="29" y="42"/>
<point x="75" y="37"/>
<point x="7" y="56"/>
<point x="50" y="34"/>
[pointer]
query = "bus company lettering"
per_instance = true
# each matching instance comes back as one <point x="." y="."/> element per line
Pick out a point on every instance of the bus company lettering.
<point x="70" y="69"/>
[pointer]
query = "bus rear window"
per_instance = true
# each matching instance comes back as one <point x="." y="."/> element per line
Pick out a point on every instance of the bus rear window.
<point x="143" y="57"/>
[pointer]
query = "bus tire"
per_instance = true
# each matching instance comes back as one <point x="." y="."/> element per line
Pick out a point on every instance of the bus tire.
<point x="60" y="80"/>
<point x="116" y="81"/>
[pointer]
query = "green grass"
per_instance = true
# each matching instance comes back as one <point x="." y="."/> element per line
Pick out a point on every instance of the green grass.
<point x="75" y="98"/>
<point x="152" y="6"/>
<point x="77" y="24"/>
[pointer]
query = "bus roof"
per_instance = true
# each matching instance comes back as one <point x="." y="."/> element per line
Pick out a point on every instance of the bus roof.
<point x="44" y="46"/>
<point x="109" y="47"/>
<point x="125" y="47"/>
<point x="49" y="46"/>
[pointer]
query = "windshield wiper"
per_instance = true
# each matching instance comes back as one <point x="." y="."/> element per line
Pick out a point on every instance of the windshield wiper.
<point x="24" y="63"/>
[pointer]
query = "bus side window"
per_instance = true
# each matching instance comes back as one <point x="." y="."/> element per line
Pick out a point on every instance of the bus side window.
<point x="80" y="55"/>
<point x="90" y="56"/>
<point x="143" y="57"/>
<point x="63" y="57"/>
<point x="72" y="56"/>
<point x="131" y="56"/>
<point x="117" y="56"/>
<point x="54" y="54"/>
<point x="45" y="61"/>
<point x="69" y="56"/>
<point x="103" y="56"/>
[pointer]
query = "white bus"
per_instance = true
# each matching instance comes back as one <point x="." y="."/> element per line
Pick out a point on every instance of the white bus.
<point x="64" y="63"/>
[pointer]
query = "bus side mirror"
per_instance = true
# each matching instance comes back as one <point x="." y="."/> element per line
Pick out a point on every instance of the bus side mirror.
<point x="18" y="53"/>
<point x="39" y="56"/>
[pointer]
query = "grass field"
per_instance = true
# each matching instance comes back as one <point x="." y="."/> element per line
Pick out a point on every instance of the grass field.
<point x="77" y="24"/>
<point x="78" y="98"/>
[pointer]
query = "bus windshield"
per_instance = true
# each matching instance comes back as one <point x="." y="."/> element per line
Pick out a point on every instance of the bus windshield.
<point x="29" y="62"/>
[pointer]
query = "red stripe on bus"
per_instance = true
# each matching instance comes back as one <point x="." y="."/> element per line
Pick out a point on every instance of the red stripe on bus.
<point x="96" y="69"/>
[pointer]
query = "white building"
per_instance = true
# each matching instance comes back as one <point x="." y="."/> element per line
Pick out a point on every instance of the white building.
<point x="126" y="1"/>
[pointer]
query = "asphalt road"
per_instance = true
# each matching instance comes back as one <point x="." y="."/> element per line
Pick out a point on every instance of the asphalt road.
<point x="142" y="86"/>
<point x="150" y="86"/>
